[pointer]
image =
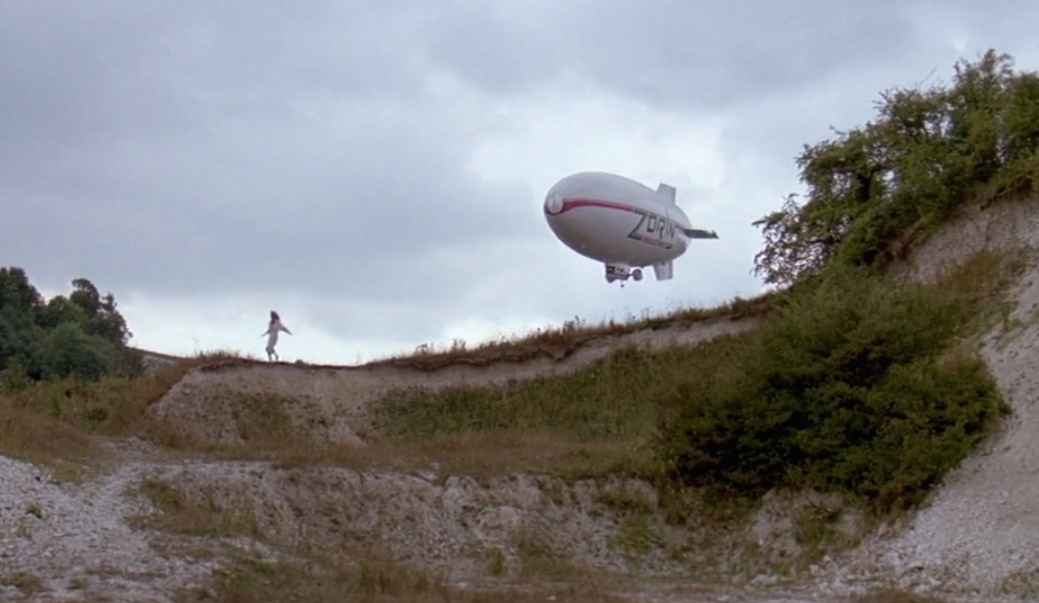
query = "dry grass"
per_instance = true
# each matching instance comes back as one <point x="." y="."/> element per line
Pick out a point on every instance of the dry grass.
<point x="353" y="573"/>
<point x="318" y="577"/>
<point x="160" y="381"/>
<point x="895" y="596"/>
<point x="560" y="341"/>
<point x="248" y="579"/>
<point x="597" y="419"/>
<point x="27" y="435"/>
<point x="474" y="454"/>
<point x="552" y="341"/>
<point x="59" y="424"/>
<point x="206" y="517"/>
<point x="25" y="582"/>
<point x="110" y="406"/>
<point x="592" y="422"/>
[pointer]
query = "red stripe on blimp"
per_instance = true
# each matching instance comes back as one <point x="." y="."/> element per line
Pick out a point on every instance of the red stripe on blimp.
<point x="574" y="203"/>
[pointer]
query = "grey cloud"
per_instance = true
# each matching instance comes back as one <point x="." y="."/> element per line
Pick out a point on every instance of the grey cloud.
<point x="83" y="74"/>
<point x="342" y="222"/>
<point x="675" y="54"/>
<point x="285" y="168"/>
<point x="199" y="149"/>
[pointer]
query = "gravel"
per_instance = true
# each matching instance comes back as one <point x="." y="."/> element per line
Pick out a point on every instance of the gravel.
<point x="61" y="542"/>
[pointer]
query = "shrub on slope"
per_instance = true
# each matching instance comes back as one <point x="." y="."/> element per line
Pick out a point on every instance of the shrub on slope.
<point x="853" y="387"/>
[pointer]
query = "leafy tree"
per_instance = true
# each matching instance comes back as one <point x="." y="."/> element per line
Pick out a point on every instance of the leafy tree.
<point x="875" y="190"/>
<point x="19" y="301"/>
<point x="17" y="294"/>
<point x="104" y="320"/>
<point x="853" y="385"/>
<point x="59" y="310"/>
<point x="68" y="351"/>
<point x="82" y="334"/>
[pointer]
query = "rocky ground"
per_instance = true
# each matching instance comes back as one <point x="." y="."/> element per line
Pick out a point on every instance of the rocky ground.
<point x="78" y="542"/>
<point x="977" y="540"/>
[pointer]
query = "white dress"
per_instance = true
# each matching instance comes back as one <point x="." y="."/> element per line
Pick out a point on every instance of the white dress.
<point x="272" y="335"/>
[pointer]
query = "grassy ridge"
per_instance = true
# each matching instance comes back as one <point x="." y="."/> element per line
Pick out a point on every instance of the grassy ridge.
<point x="560" y="340"/>
<point x="604" y="401"/>
<point x="54" y="419"/>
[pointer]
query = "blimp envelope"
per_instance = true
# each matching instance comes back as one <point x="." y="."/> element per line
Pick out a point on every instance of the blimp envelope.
<point x="602" y="186"/>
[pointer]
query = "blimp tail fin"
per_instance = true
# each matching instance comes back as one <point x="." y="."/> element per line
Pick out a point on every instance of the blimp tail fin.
<point x="664" y="270"/>
<point x="667" y="191"/>
<point x="698" y="233"/>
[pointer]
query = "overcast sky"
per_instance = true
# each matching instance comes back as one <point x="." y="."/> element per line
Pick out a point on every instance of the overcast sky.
<point x="374" y="169"/>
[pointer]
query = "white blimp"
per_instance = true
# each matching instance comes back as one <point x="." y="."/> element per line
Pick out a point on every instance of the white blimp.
<point x="622" y="223"/>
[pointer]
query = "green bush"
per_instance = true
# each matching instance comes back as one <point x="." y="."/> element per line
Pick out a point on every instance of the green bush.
<point x="852" y="387"/>
<point x="68" y="351"/>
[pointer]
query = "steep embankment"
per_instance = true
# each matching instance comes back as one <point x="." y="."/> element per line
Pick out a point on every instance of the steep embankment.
<point x="980" y="531"/>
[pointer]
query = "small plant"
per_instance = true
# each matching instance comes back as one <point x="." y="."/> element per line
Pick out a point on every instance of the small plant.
<point x="27" y="583"/>
<point x="895" y="596"/>
<point x="636" y="536"/>
<point x="496" y="563"/>
<point x="35" y="510"/>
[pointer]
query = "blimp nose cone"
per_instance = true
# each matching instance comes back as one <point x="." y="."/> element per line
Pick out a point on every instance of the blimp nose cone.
<point x="553" y="204"/>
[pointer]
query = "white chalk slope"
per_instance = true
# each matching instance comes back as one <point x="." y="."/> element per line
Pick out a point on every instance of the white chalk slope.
<point x="980" y="531"/>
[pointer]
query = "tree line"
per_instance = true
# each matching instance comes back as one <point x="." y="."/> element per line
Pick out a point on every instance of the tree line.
<point x="81" y="335"/>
